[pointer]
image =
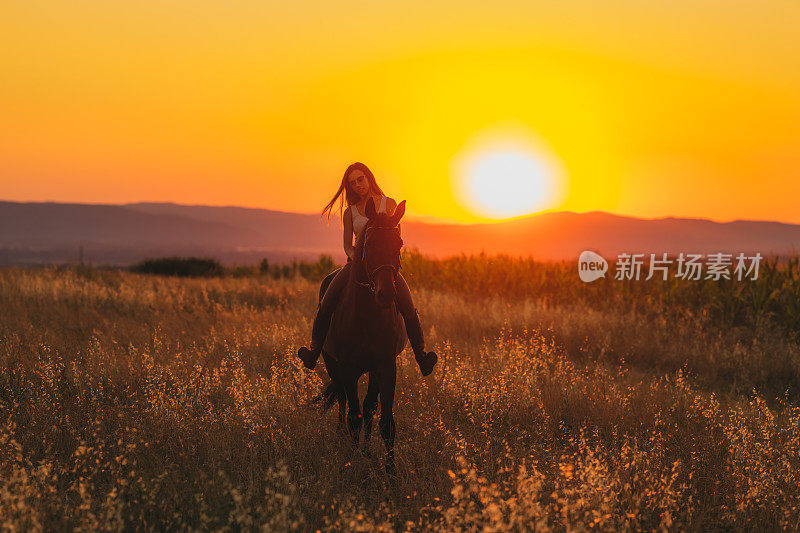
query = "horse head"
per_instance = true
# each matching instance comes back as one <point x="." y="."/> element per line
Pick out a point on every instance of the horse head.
<point x="380" y="255"/>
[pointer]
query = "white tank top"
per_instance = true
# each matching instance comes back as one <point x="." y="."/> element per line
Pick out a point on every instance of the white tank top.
<point x="359" y="220"/>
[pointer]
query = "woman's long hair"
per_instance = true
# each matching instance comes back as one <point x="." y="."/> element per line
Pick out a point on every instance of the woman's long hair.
<point x="346" y="194"/>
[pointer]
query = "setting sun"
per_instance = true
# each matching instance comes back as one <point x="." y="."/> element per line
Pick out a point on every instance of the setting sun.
<point x="505" y="176"/>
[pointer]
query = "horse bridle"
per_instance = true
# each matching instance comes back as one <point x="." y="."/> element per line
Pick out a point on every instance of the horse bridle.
<point x="370" y="283"/>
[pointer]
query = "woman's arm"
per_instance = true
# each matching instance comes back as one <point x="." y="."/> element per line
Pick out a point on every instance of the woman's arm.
<point x="347" y="237"/>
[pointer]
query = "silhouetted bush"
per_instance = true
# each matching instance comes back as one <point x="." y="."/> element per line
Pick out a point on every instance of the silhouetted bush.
<point x="318" y="270"/>
<point x="192" y="267"/>
<point x="315" y="271"/>
<point x="242" y="271"/>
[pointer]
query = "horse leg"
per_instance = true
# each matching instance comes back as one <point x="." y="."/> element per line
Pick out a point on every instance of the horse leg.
<point x="354" y="418"/>
<point x="341" y="426"/>
<point x="387" y="383"/>
<point x="370" y="405"/>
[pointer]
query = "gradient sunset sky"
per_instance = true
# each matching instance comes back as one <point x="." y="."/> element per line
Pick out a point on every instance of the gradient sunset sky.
<point x="645" y="108"/>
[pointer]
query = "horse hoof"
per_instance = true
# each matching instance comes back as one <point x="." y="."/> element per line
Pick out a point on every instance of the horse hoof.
<point x="427" y="363"/>
<point x="307" y="356"/>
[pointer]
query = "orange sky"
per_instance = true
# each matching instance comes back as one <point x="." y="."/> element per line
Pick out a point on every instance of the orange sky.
<point x="651" y="108"/>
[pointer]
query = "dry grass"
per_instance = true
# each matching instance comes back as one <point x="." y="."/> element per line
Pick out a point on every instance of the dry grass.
<point x="136" y="402"/>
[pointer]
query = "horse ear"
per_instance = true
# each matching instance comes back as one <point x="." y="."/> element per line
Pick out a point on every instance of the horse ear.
<point x="370" y="208"/>
<point x="399" y="211"/>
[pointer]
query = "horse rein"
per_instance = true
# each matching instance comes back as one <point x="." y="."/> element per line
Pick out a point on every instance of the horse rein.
<point x="370" y="283"/>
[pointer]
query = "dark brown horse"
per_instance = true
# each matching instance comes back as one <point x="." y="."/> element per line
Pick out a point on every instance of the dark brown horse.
<point x="367" y="332"/>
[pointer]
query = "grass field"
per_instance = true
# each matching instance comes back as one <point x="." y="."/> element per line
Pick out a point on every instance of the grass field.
<point x="131" y="401"/>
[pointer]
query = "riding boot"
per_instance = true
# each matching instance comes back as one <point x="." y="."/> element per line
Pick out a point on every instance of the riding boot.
<point x="425" y="360"/>
<point x="310" y="355"/>
<point x="329" y="294"/>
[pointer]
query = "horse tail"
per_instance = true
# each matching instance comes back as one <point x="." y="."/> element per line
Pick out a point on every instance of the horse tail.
<point x="329" y="396"/>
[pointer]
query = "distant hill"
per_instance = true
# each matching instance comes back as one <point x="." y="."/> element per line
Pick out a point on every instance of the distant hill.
<point x="34" y="233"/>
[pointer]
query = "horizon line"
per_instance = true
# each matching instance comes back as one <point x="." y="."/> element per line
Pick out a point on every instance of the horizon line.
<point x="420" y="219"/>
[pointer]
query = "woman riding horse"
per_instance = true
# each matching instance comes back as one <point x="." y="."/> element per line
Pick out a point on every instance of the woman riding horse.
<point x="357" y="187"/>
